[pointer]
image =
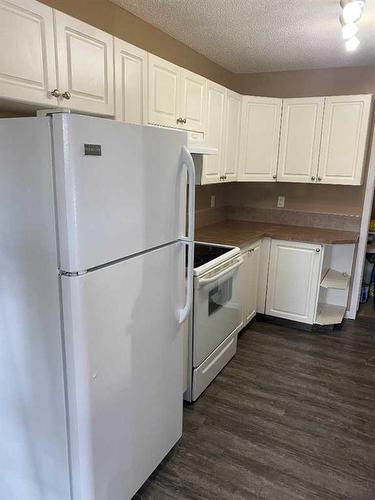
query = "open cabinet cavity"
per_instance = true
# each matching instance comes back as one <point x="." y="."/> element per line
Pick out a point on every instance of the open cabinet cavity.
<point x="335" y="284"/>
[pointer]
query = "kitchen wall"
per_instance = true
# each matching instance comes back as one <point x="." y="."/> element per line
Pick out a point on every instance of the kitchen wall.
<point x="113" y="19"/>
<point x="314" y="82"/>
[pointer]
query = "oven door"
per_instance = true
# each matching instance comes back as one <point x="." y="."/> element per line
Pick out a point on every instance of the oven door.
<point x="217" y="309"/>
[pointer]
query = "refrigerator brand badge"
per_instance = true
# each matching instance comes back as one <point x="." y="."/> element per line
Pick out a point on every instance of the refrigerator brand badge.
<point x="93" y="150"/>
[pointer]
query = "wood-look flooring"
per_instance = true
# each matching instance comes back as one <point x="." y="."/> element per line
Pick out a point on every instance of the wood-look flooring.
<point x="292" y="416"/>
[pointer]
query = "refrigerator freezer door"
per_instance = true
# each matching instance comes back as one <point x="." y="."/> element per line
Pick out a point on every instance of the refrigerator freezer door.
<point x="124" y="370"/>
<point x="121" y="194"/>
<point x="34" y="446"/>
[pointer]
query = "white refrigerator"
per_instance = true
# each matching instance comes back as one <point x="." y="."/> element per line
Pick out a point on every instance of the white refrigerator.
<point x="93" y="290"/>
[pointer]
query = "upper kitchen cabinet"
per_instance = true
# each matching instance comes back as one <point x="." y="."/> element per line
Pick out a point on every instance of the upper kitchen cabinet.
<point x="301" y="128"/>
<point x="344" y="139"/>
<point x="130" y="82"/>
<point x="84" y="66"/>
<point x="177" y="97"/>
<point x="27" y="57"/>
<point x="214" y="136"/>
<point x="231" y="136"/>
<point x="259" y="145"/>
<point x="193" y="101"/>
<point x="163" y="92"/>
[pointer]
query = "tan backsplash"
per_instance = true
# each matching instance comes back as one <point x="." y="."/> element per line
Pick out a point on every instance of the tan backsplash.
<point x="331" y="207"/>
<point x="346" y="200"/>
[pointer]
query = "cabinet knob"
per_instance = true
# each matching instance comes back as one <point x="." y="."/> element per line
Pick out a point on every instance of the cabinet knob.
<point x="55" y="93"/>
<point x="319" y="179"/>
<point x="317" y="250"/>
<point x="67" y="95"/>
<point x="184" y="120"/>
<point x="180" y="120"/>
<point x="313" y="178"/>
<point x="274" y="176"/>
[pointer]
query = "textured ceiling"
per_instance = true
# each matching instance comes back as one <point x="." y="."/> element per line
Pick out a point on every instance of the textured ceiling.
<point x="248" y="36"/>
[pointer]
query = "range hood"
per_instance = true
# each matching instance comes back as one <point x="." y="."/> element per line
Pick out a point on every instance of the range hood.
<point x="197" y="146"/>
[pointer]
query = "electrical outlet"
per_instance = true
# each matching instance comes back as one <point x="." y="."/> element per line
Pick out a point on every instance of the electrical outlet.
<point x="281" y="202"/>
<point x="213" y="201"/>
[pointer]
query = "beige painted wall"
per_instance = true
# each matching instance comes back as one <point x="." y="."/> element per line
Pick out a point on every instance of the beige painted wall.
<point x="316" y="82"/>
<point x="113" y="19"/>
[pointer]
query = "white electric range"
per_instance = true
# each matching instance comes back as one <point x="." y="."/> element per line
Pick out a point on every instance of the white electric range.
<point x="216" y="317"/>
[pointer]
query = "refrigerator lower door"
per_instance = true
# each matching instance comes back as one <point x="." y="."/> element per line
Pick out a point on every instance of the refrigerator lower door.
<point x="34" y="461"/>
<point x="121" y="189"/>
<point x="124" y="366"/>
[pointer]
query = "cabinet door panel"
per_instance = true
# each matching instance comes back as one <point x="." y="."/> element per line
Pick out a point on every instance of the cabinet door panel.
<point x="293" y="282"/>
<point x="193" y="100"/>
<point x="254" y="279"/>
<point x="301" y="128"/>
<point x="163" y="92"/>
<point x="249" y="282"/>
<point x="130" y="77"/>
<point x="214" y="132"/>
<point x="85" y="65"/>
<point x="260" y="133"/>
<point x="344" y="139"/>
<point x="232" y="136"/>
<point x="27" y="58"/>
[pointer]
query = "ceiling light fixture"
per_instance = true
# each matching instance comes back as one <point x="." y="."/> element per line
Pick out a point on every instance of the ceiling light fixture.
<point x="349" y="30"/>
<point x="352" y="44"/>
<point x="351" y="14"/>
<point x="352" y="10"/>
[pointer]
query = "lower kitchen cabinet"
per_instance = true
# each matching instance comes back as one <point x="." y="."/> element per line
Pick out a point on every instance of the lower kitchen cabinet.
<point x="293" y="280"/>
<point x="249" y="281"/>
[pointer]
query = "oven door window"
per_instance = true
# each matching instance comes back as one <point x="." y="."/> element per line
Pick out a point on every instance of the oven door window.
<point x="219" y="296"/>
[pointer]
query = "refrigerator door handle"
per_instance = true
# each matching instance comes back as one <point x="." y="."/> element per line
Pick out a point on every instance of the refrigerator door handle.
<point x="188" y="240"/>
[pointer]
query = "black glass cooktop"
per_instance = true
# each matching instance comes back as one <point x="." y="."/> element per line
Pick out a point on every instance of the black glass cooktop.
<point x="205" y="253"/>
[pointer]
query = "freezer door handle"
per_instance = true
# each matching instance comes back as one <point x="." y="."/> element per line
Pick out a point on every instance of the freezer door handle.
<point x="188" y="240"/>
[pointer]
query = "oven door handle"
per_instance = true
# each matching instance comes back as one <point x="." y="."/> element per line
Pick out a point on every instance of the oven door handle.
<point x="205" y="281"/>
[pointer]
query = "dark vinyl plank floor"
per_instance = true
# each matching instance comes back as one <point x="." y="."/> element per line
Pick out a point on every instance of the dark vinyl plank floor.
<point x="292" y="416"/>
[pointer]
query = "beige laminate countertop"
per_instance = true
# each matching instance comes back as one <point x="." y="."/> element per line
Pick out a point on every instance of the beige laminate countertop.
<point x="242" y="234"/>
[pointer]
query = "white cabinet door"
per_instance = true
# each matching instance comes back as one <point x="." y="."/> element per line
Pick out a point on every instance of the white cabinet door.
<point x="260" y="132"/>
<point x="212" y="165"/>
<point x="193" y="101"/>
<point x="84" y="65"/>
<point x="231" y="136"/>
<point x="249" y="281"/>
<point x="164" y="82"/>
<point x="130" y="82"/>
<point x="344" y="139"/>
<point x="301" y="128"/>
<point x="293" y="282"/>
<point x="27" y="57"/>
